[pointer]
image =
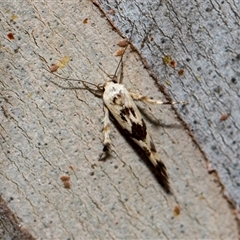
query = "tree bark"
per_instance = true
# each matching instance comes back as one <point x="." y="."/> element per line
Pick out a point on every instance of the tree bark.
<point x="49" y="134"/>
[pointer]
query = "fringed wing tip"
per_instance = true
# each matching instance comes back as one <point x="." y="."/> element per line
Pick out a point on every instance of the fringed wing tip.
<point x="163" y="176"/>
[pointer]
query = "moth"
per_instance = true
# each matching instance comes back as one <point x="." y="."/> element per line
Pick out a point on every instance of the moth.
<point x="120" y="103"/>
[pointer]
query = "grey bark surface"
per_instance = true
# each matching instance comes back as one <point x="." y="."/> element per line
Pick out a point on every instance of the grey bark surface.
<point x="203" y="39"/>
<point x="48" y="132"/>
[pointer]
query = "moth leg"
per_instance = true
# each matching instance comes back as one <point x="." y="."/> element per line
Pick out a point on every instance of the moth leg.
<point x="106" y="131"/>
<point x="146" y="99"/>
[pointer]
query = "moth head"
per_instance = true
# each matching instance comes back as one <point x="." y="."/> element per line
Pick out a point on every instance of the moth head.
<point x="107" y="83"/>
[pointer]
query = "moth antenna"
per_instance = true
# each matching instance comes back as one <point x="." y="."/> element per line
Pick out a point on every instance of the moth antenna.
<point x="119" y="63"/>
<point x="97" y="92"/>
<point x="73" y="80"/>
<point x="121" y="59"/>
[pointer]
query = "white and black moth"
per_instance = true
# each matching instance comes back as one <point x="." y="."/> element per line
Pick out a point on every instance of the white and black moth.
<point x="120" y="103"/>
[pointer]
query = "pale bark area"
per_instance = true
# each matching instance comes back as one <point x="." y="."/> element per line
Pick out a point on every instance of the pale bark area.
<point x="48" y="132"/>
<point x="202" y="37"/>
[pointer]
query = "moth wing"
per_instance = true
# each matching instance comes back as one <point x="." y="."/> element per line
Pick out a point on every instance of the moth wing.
<point x="124" y="110"/>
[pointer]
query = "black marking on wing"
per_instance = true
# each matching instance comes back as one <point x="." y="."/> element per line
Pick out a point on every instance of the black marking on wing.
<point x="161" y="172"/>
<point x="116" y="97"/>
<point x="160" y="169"/>
<point x="139" y="132"/>
<point x="123" y="117"/>
<point x="152" y="147"/>
<point x="132" y="111"/>
<point x="125" y="113"/>
<point x="146" y="151"/>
